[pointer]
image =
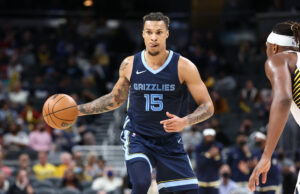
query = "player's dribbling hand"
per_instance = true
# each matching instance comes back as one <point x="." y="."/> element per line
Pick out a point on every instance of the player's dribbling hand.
<point x="174" y="123"/>
<point x="262" y="167"/>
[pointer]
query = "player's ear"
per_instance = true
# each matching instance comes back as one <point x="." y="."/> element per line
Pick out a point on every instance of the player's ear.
<point x="167" y="33"/>
<point x="275" y="48"/>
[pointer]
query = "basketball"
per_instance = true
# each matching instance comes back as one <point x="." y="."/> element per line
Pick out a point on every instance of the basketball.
<point x="60" y="111"/>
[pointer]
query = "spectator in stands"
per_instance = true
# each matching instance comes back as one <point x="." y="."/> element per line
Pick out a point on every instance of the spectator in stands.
<point x="7" y="114"/>
<point x="212" y="61"/>
<point x="30" y="115"/>
<point x="288" y="171"/>
<point x="108" y="183"/>
<point x="88" y="138"/>
<point x="43" y="53"/>
<point x="40" y="139"/>
<point x="70" y="181"/>
<point x="238" y="158"/>
<point x="246" y="126"/>
<point x="15" y="139"/>
<point x="225" y="82"/>
<point x="220" y="135"/>
<point x="101" y="165"/>
<point x="24" y="163"/>
<point x="245" y="53"/>
<point x="219" y="102"/>
<point x="4" y="183"/>
<point x="7" y="170"/>
<point x="91" y="166"/>
<point x="208" y="162"/>
<point x="249" y="97"/>
<point x="273" y="181"/>
<point x="40" y="90"/>
<point x="266" y="99"/>
<point x="66" y="162"/>
<point x="63" y="141"/>
<point x="73" y="71"/>
<point x="43" y="169"/>
<point x="21" y="184"/>
<point x="79" y="167"/>
<point x="18" y="95"/>
<point x="3" y="92"/>
<point x="191" y="138"/>
<point x="227" y="185"/>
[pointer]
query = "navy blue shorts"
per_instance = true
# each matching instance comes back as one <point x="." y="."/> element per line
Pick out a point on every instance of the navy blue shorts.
<point x="167" y="155"/>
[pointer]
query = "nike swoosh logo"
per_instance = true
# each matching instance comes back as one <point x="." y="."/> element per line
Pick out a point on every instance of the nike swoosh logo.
<point x="139" y="72"/>
<point x="179" y="141"/>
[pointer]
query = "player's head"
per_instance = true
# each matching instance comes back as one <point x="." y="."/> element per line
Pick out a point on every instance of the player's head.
<point x="284" y="36"/>
<point x="155" y="32"/>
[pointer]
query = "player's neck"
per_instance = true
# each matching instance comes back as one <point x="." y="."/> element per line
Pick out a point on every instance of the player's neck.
<point x="157" y="60"/>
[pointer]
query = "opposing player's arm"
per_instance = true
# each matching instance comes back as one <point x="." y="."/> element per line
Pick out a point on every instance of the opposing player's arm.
<point x="189" y="74"/>
<point x="115" y="98"/>
<point x="278" y="73"/>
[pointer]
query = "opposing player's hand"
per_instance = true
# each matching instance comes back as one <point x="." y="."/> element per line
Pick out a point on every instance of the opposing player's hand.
<point x="262" y="167"/>
<point x="174" y="123"/>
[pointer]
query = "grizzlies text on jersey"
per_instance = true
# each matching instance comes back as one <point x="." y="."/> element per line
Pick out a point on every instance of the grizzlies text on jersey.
<point x="152" y="94"/>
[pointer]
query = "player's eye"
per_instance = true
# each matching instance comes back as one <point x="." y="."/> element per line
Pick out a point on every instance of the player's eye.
<point x="159" y="32"/>
<point x="148" y="32"/>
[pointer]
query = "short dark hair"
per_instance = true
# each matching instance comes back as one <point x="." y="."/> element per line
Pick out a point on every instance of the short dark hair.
<point x="288" y="28"/>
<point x="157" y="16"/>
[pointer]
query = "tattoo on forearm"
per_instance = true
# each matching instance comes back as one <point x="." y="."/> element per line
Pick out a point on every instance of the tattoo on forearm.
<point x="100" y="105"/>
<point x="110" y="101"/>
<point x="200" y="114"/>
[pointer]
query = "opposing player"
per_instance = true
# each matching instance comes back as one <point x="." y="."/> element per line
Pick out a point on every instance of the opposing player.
<point x="283" y="70"/>
<point x="156" y="82"/>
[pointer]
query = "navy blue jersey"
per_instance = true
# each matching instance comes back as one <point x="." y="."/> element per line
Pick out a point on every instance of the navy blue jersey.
<point x="153" y="93"/>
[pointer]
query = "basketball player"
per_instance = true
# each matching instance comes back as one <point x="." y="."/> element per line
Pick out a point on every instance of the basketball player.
<point x="283" y="70"/>
<point x="155" y="82"/>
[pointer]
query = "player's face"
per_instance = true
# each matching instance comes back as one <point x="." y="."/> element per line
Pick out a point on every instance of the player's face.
<point x="155" y="34"/>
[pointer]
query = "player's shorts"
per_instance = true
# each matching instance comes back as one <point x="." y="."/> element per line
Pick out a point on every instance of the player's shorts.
<point x="297" y="188"/>
<point x="167" y="155"/>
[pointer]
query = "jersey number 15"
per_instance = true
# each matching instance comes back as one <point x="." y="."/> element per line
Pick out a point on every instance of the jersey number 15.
<point x="154" y="102"/>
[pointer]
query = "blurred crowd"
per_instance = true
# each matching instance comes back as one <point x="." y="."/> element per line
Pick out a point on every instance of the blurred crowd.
<point x="81" y="58"/>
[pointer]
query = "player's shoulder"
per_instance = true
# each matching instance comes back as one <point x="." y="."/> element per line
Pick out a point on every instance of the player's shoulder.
<point x="185" y="64"/>
<point x="127" y="62"/>
<point x="126" y="67"/>
<point x="128" y="59"/>
<point x="281" y="58"/>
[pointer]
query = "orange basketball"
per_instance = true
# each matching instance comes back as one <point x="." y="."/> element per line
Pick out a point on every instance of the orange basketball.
<point x="60" y="111"/>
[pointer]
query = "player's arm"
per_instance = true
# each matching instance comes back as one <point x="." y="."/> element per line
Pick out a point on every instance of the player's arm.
<point x="198" y="90"/>
<point x="188" y="73"/>
<point x="115" y="98"/>
<point x="278" y="73"/>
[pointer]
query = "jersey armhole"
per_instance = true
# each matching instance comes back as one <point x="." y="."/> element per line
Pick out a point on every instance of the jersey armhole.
<point x="133" y="68"/>
<point x="183" y="81"/>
